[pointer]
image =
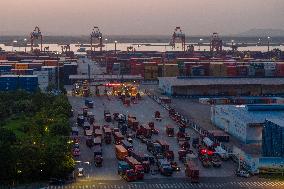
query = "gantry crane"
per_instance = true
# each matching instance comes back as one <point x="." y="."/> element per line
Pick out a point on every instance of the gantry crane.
<point x="216" y="43"/>
<point x="36" y="34"/>
<point x="97" y="35"/>
<point x="178" y="37"/>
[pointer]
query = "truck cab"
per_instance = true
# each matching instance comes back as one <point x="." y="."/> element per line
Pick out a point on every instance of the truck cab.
<point x="89" y="103"/>
<point x="170" y="131"/>
<point x="143" y="159"/>
<point x="165" y="167"/>
<point x="107" y="116"/>
<point x="127" y="145"/>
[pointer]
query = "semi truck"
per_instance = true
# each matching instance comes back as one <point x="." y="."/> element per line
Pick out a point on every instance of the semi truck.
<point x="136" y="166"/>
<point x="120" y="152"/>
<point x="192" y="171"/>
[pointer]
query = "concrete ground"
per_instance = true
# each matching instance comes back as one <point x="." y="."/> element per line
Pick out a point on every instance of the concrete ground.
<point x="144" y="111"/>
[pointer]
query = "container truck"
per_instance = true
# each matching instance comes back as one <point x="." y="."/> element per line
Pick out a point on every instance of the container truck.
<point x="143" y="159"/>
<point x="192" y="171"/>
<point x="136" y="166"/>
<point x="125" y="170"/>
<point x="89" y="103"/>
<point x="118" y="137"/>
<point x="127" y="145"/>
<point x="107" y="116"/>
<point x="120" y="152"/>
<point x="165" y="167"/>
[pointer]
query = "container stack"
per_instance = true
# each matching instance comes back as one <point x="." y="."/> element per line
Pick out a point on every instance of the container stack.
<point x="5" y="69"/>
<point x="280" y="69"/>
<point x="150" y="70"/>
<point x="168" y="70"/>
<point x="217" y="69"/>
<point x="116" y="69"/>
<point x="69" y="69"/>
<point x="42" y="79"/>
<point x="14" y="82"/>
<point x="269" y="69"/>
<point x="273" y="138"/>
<point x="51" y="73"/>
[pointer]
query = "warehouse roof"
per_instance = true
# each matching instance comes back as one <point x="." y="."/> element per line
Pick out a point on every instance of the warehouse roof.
<point x="279" y="122"/>
<point x="174" y="81"/>
<point x="241" y="112"/>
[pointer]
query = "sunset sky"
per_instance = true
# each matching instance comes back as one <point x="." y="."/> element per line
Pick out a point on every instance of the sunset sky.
<point x="76" y="17"/>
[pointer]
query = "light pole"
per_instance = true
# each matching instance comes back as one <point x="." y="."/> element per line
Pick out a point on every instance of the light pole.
<point x="200" y="41"/>
<point x="106" y="43"/>
<point x="232" y="41"/>
<point x="268" y="43"/>
<point x="115" y="43"/>
<point x="14" y="42"/>
<point x="25" y="41"/>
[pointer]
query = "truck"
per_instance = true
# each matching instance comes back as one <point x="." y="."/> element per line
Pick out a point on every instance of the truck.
<point x="98" y="133"/>
<point x="89" y="103"/>
<point x="164" y="145"/>
<point x="170" y="131"/>
<point x="144" y="130"/>
<point x="75" y="131"/>
<point x="216" y="162"/>
<point x="107" y="135"/>
<point x="91" y="117"/>
<point x="223" y="154"/>
<point x="123" y="128"/>
<point x="98" y="141"/>
<point x="158" y="116"/>
<point x="80" y="120"/>
<point x="127" y="145"/>
<point x="133" y="124"/>
<point x="143" y="159"/>
<point x="155" y="148"/>
<point x="107" y="116"/>
<point x="153" y="129"/>
<point x="85" y="111"/>
<point x="195" y="142"/>
<point x="165" y="167"/>
<point x="120" y="152"/>
<point x="126" y="172"/>
<point x="98" y="155"/>
<point x="86" y="126"/>
<point x="192" y="171"/>
<point x="118" y="137"/>
<point x="136" y="166"/>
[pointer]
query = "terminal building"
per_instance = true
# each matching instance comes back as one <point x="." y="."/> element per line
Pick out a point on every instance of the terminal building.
<point x="215" y="86"/>
<point x="260" y="128"/>
<point x="245" y="122"/>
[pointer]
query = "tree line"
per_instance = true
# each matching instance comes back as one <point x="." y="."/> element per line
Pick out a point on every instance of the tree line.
<point x="34" y="142"/>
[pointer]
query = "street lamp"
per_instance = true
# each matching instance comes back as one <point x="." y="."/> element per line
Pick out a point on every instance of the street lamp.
<point x="106" y="43"/>
<point x="14" y="42"/>
<point x="115" y="43"/>
<point x="200" y="41"/>
<point x="232" y="41"/>
<point x="25" y="41"/>
<point x="268" y="43"/>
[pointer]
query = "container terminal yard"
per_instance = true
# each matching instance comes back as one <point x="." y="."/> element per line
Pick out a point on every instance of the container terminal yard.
<point x="182" y="118"/>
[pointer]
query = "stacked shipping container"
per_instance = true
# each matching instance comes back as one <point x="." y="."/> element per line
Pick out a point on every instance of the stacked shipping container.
<point x="273" y="138"/>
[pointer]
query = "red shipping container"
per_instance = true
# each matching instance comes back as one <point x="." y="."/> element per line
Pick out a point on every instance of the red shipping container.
<point x="232" y="71"/>
<point x="280" y="69"/>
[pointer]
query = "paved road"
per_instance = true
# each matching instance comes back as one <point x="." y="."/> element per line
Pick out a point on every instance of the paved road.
<point x="173" y="184"/>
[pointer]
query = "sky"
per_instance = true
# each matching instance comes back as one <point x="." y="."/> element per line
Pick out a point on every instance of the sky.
<point x="139" y="17"/>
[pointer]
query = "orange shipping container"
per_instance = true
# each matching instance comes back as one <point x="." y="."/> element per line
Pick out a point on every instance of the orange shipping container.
<point x="21" y="66"/>
<point x="50" y="62"/>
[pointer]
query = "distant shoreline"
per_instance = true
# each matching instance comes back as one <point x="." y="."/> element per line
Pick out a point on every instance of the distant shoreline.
<point x="141" y="39"/>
